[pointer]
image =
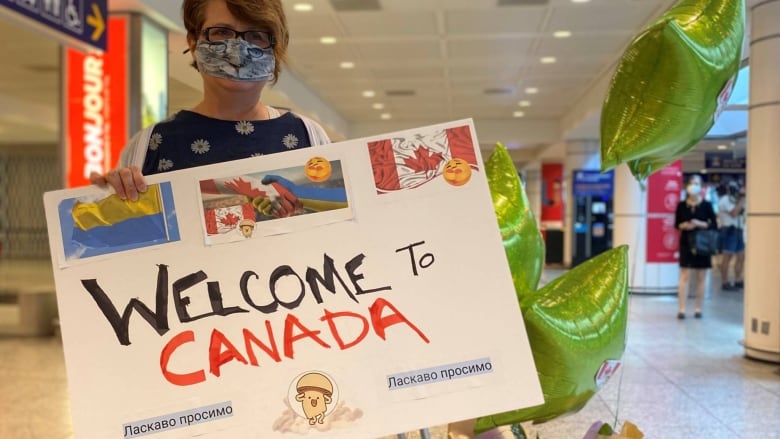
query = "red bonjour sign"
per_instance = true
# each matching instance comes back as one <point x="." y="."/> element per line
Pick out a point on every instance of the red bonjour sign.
<point x="96" y="106"/>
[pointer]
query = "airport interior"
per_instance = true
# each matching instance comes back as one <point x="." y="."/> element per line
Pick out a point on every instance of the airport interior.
<point x="544" y="85"/>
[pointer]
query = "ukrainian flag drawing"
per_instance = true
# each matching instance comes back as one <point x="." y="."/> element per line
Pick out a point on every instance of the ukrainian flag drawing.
<point x="114" y="223"/>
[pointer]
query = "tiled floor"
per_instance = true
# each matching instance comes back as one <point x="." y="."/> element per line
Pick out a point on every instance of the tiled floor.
<point x="681" y="380"/>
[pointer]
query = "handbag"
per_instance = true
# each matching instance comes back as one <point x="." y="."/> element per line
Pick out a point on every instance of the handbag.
<point x="705" y="242"/>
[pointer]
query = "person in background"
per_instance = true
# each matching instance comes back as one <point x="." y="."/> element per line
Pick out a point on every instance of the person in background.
<point x="238" y="47"/>
<point x="731" y="206"/>
<point x="692" y="214"/>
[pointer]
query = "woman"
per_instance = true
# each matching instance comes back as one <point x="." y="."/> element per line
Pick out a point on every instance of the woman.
<point x="237" y="46"/>
<point x="694" y="213"/>
<point x="731" y="207"/>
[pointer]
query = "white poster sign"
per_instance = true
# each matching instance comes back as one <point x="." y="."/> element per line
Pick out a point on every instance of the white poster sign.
<point x="352" y="290"/>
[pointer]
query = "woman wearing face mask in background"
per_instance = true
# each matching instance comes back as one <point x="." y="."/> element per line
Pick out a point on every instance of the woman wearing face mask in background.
<point x="731" y="210"/>
<point x="693" y="213"/>
<point x="238" y="47"/>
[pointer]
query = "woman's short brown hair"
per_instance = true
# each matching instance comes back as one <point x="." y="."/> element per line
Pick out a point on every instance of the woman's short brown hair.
<point x="261" y="14"/>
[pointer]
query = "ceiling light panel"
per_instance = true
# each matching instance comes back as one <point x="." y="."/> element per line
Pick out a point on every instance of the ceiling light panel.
<point x="502" y="3"/>
<point x="499" y="91"/>
<point x="303" y="7"/>
<point x="355" y="5"/>
<point x="436" y="96"/>
<point x="397" y="93"/>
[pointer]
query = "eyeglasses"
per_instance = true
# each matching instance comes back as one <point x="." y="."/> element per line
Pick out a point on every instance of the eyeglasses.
<point x="261" y="39"/>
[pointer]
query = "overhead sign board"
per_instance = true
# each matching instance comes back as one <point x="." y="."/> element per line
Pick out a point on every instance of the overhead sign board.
<point x="79" y="23"/>
<point x="589" y="183"/>
<point x="724" y="160"/>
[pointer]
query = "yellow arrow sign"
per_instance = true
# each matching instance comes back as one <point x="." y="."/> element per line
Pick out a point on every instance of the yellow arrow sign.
<point x="96" y="20"/>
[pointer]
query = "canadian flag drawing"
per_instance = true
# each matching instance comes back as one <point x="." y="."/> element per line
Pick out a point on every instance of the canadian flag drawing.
<point x="227" y="201"/>
<point x="407" y="163"/>
<point x="221" y="220"/>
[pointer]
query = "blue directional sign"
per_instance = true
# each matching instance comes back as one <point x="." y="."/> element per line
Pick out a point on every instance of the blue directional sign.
<point x="82" y="22"/>
<point x="589" y="183"/>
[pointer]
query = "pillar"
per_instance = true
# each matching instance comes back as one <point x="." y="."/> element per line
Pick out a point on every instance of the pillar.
<point x="762" y="278"/>
<point x="630" y="227"/>
<point x="532" y="173"/>
<point x="580" y="154"/>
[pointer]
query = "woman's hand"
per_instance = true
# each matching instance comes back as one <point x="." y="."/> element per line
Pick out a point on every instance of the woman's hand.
<point x="699" y="224"/>
<point x="126" y="182"/>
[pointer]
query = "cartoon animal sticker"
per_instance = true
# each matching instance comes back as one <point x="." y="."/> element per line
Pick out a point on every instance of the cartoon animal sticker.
<point x="314" y="403"/>
<point x="314" y="393"/>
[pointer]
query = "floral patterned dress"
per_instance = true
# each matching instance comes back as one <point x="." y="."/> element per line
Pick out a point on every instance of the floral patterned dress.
<point x="189" y="139"/>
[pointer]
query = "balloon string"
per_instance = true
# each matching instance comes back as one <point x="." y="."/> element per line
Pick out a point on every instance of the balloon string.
<point x="631" y="278"/>
<point x="617" y="403"/>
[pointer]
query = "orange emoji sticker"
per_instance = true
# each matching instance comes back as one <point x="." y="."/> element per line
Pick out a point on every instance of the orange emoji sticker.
<point x="457" y="172"/>
<point x="317" y="169"/>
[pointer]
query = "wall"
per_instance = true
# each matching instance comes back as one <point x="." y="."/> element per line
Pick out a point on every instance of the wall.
<point x="26" y="172"/>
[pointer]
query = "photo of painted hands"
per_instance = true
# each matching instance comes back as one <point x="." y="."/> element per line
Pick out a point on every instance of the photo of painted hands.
<point x="278" y="198"/>
<point x="274" y="196"/>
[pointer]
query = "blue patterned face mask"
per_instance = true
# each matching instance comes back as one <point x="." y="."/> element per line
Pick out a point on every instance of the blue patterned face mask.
<point x="235" y="59"/>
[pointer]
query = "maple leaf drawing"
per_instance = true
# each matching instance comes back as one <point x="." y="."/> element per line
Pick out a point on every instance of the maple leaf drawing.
<point x="230" y="219"/>
<point x="243" y="187"/>
<point x="423" y="160"/>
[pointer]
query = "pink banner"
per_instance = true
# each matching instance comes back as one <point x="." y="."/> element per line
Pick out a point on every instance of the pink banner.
<point x="552" y="194"/>
<point x="664" y="188"/>
<point x="662" y="240"/>
<point x="663" y="194"/>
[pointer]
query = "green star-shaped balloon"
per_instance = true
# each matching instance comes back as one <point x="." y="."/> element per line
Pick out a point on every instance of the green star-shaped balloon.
<point x="671" y="84"/>
<point x="576" y="324"/>
<point x="523" y="243"/>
